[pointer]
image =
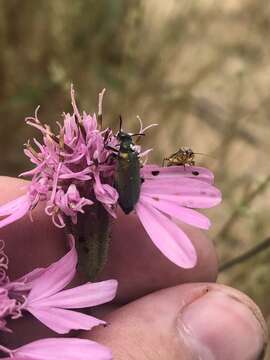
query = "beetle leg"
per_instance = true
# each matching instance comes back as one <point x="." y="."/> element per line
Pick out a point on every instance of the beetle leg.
<point x="108" y="147"/>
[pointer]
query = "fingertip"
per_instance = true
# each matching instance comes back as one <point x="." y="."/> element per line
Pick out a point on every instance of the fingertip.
<point x="11" y="188"/>
<point x="194" y="321"/>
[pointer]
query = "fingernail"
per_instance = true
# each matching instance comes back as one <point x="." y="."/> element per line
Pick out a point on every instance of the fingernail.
<point x="220" y="326"/>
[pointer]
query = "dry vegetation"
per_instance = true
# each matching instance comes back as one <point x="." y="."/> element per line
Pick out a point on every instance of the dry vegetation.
<point x="199" y="68"/>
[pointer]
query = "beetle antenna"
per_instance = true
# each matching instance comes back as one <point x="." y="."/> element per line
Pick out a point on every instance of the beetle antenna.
<point x="120" y="123"/>
<point x="139" y="134"/>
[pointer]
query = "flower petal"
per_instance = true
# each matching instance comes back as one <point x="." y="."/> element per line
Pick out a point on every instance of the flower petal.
<point x="62" y="320"/>
<point x="13" y="205"/>
<point x="90" y="294"/>
<point x="63" y="348"/>
<point x="167" y="236"/>
<point x="56" y="276"/>
<point x="14" y="210"/>
<point x="25" y="283"/>
<point x="175" y="184"/>
<point x="179" y="212"/>
<point x="187" y="196"/>
<point x="194" y="172"/>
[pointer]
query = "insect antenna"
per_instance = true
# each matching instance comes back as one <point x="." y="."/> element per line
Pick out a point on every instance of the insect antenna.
<point x="139" y="134"/>
<point x="197" y="153"/>
<point x="120" y="123"/>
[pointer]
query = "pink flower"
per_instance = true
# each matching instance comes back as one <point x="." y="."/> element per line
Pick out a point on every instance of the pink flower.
<point x="73" y="170"/>
<point x="168" y="195"/>
<point x="9" y="307"/>
<point x="70" y="203"/>
<point x="76" y="169"/>
<point x="59" y="348"/>
<point x="41" y="293"/>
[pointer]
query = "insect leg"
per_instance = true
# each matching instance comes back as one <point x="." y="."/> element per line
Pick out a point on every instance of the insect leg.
<point x="164" y="160"/>
<point x="108" y="147"/>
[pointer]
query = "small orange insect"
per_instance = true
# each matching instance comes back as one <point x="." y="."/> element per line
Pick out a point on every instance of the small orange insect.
<point x="184" y="156"/>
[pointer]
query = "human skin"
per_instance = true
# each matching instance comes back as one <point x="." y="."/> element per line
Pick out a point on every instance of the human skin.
<point x="161" y="312"/>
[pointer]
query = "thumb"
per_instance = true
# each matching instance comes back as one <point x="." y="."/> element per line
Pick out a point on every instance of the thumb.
<point x="188" y="322"/>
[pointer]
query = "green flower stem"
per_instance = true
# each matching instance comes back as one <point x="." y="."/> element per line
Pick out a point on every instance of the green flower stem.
<point x="92" y="234"/>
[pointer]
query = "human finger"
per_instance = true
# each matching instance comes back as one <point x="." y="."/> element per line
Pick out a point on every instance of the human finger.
<point x="188" y="322"/>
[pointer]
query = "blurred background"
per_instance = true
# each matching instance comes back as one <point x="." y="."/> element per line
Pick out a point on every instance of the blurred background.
<point x="198" y="68"/>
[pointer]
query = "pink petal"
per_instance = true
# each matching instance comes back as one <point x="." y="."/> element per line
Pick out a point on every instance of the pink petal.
<point x="62" y="320"/>
<point x="181" y="213"/>
<point x="90" y="294"/>
<point x="63" y="349"/>
<point x="173" y="185"/>
<point x="144" y="153"/>
<point x="25" y="283"/>
<point x="104" y="192"/>
<point x="37" y="169"/>
<point x="167" y="236"/>
<point x="56" y="276"/>
<point x="13" y="205"/>
<point x="14" y="210"/>
<point x="81" y="175"/>
<point x="111" y="210"/>
<point x="33" y="275"/>
<point x="201" y="173"/>
<point x="189" y="197"/>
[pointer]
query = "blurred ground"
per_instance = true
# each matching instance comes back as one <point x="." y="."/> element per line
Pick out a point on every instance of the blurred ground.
<point x="199" y="68"/>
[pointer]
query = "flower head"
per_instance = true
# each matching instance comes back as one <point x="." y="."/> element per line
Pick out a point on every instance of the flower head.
<point x="42" y="293"/>
<point x="73" y="169"/>
<point x="83" y="166"/>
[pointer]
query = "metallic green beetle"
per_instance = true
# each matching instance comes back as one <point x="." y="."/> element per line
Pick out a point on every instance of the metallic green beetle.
<point x="127" y="176"/>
